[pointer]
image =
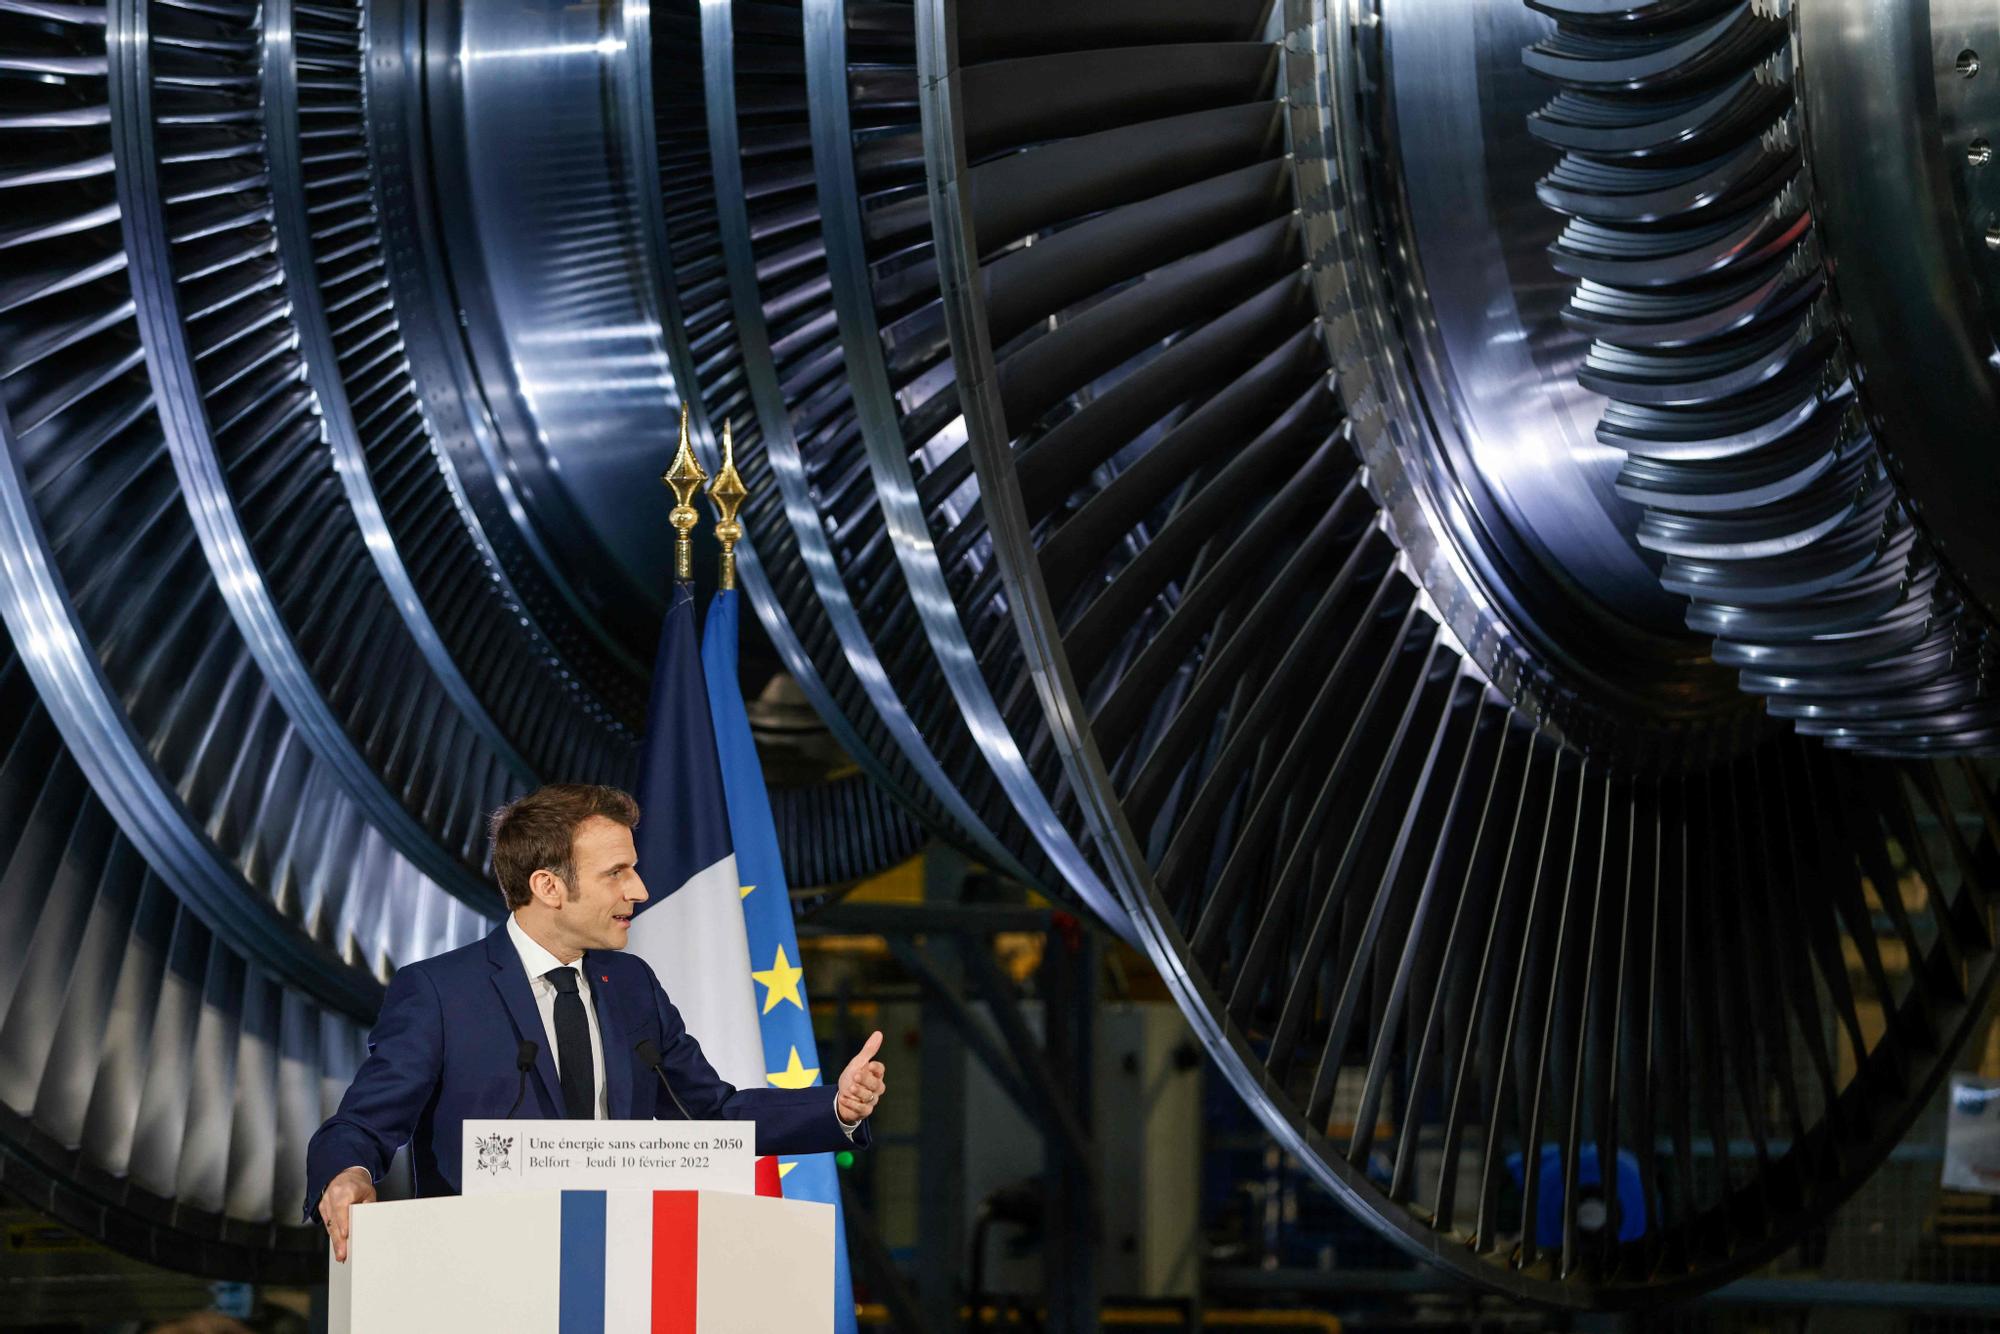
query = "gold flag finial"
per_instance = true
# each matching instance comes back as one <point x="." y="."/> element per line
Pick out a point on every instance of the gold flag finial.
<point x="685" y="477"/>
<point x="727" y="493"/>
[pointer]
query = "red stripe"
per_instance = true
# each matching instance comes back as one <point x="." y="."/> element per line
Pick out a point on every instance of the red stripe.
<point x="675" y="1222"/>
<point x="768" y="1176"/>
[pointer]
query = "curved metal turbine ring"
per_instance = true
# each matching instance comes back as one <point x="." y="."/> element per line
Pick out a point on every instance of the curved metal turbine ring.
<point x="1779" y="240"/>
<point x="1450" y="848"/>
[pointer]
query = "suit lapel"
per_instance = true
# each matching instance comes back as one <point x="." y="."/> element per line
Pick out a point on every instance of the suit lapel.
<point x="511" y="981"/>
<point x="617" y="1058"/>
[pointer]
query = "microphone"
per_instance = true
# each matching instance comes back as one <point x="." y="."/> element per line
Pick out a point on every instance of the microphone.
<point x="650" y="1054"/>
<point x="524" y="1061"/>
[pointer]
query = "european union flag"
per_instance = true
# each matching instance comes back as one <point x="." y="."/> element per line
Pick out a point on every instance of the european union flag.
<point x="786" y="1023"/>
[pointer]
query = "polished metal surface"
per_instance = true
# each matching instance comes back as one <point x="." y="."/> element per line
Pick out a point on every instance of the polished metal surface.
<point x="42" y="623"/>
<point x="147" y="924"/>
<point x="826" y="66"/>
<point x="1776" y="239"/>
<point x="191" y="444"/>
<point x="291" y="207"/>
<point x="1487" y="456"/>
<point x="795" y="579"/>
<point x="1307" y="932"/>
<point x="1904" y="211"/>
<point x="1483" y="312"/>
<point x="528" y="113"/>
<point x="414" y="516"/>
<point x="909" y="530"/>
<point x="775" y="428"/>
<point x="1327" y="491"/>
<point x="404" y="170"/>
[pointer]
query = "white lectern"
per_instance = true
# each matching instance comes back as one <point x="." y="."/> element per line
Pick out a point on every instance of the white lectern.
<point x="586" y="1262"/>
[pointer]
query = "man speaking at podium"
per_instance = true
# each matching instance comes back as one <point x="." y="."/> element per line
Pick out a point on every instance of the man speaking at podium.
<point x="547" y="1009"/>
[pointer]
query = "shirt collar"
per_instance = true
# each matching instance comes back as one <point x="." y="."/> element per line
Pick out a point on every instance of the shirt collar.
<point x="534" y="958"/>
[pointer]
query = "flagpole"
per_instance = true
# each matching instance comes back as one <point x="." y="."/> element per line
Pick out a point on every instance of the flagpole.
<point x="727" y="493"/>
<point x="684" y="477"/>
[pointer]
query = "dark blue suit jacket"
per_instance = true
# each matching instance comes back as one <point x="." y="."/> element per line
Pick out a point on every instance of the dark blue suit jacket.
<point x="444" y="1048"/>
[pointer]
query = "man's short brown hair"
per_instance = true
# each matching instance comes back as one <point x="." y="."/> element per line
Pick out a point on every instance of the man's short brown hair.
<point x="538" y="833"/>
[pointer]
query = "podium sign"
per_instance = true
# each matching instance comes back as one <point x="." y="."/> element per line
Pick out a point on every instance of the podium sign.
<point x="607" y="1155"/>
<point x="586" y="1262"/>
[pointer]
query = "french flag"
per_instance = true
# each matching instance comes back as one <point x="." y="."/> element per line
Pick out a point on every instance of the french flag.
<point x="691" y="931"/>
<point x="672" y="1261"/>
<point x="609" y="1238"/>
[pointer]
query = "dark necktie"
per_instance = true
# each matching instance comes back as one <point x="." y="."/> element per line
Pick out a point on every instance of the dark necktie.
<point x="579" y="1083"/>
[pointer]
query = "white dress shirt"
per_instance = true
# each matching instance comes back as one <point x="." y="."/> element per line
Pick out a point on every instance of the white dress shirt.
<point x="539" y="961"/>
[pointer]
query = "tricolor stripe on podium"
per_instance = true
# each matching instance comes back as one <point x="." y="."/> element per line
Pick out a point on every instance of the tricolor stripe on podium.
<point x="606" y="1262"/>
<point x="607" y="1237"/>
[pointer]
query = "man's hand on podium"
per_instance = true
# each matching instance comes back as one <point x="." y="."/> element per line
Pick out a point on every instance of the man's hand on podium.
<point x="352" y="1187"/>
<point x="861" y="1083"/>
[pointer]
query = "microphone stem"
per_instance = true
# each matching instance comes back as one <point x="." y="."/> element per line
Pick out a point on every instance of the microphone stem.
<point x="520" y="1092"/>
<point x="671" y="1094"/>
<point x="524" y="1061"/>
<point x="649" y="1054"/>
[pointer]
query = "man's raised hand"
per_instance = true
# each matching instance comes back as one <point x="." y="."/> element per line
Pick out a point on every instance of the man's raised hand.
<point x="861" y="1083"/>
<point x="352" y="1187"/>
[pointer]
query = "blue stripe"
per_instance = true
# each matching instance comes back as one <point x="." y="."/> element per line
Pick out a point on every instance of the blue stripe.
<point x="581" y="1270"/>
<point x="685" y="829"/>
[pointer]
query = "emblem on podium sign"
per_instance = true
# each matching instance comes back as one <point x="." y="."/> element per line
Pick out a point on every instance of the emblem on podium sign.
<point x="495" y="1154"/>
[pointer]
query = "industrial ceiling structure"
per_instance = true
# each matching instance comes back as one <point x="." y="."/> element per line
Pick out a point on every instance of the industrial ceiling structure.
<point x="1459" y="527"/>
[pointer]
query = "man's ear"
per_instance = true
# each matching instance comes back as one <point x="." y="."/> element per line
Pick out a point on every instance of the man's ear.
<point x="548" y="888"/>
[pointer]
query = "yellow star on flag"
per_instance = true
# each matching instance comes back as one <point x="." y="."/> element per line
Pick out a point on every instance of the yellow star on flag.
<point x="785" y="1169"/>
<point x="743" y="891"/>
<point x="795" y="1075"/>
<point x="781" y="983"/>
